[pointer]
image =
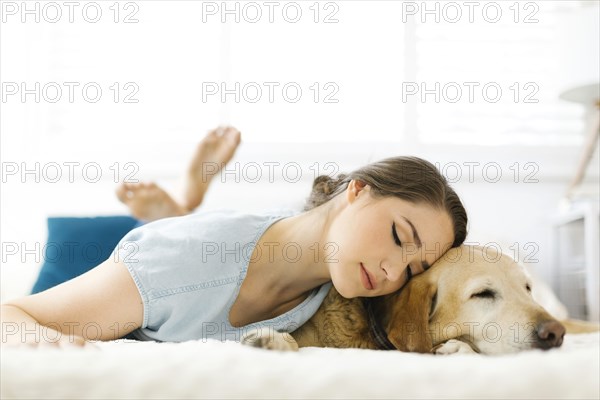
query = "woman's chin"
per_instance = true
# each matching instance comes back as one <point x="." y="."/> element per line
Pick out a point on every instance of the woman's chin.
<point x="346" y="291"/>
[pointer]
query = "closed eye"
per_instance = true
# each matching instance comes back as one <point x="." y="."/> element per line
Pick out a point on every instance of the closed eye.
<point x="528" y="288"/>
<point x="395" y="235"/>
<point x="485" y="294"/>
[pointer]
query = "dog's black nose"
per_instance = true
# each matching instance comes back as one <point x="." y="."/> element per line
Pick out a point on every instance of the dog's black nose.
<point x="550" y="334"/>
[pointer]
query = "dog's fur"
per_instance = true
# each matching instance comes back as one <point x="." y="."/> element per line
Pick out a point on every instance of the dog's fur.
<point x="471" y="300"/>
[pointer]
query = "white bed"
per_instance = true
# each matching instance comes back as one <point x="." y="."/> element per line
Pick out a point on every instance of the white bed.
<point x="130" y="370"/>
<point x="211" y="369"/>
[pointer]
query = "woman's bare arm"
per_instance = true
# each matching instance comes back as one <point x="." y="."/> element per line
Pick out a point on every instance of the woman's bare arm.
<point x="102" y="304"/>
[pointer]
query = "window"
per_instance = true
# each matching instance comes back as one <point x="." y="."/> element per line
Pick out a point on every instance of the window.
<point x="343" y="78"/>
<point x="497" y="83"/>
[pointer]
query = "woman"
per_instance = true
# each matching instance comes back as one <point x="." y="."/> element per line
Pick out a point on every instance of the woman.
<point x="217" y="274"/>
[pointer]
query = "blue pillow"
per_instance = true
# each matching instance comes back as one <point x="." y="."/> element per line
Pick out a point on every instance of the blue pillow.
<point x="76" y="245"/>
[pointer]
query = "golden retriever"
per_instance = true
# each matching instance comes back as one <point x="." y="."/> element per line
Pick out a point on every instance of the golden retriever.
<point x="471" y="300"/>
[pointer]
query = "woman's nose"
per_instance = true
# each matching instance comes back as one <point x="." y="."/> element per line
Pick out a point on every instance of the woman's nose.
<point x="393" y="272"/>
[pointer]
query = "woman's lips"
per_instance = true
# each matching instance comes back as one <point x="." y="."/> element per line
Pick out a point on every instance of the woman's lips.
<point x="366" y="278"/>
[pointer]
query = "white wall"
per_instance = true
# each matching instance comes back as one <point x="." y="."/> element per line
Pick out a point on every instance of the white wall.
<point x="369" y="53"/>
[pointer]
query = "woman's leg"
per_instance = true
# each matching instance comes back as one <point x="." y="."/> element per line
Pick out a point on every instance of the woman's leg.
<point x="214" y="151"/>
<point x="149" y="202"/>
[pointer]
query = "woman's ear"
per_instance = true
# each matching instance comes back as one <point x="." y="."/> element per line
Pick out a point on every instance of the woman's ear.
<point x="408" y="328"/>
<point x="354" y="188"/>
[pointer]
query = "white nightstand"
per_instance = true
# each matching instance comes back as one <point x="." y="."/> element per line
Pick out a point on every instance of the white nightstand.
<point x="576" y="256"/>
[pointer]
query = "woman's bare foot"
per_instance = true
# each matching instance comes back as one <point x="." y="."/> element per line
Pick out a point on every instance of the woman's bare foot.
<point x="148" y="202"/>
<point x="214" y="151"/>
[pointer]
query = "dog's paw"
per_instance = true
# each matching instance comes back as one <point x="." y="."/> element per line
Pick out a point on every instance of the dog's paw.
<point x="453" y="346"/>
<point x="269" y="339"/>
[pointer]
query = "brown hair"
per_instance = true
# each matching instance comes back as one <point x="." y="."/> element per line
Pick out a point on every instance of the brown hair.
<point x="408" y="178"/>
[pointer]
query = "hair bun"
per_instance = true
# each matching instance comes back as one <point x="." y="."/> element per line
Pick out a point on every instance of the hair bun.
<point x="326" y="185"/>
<point x="323" y="189"/>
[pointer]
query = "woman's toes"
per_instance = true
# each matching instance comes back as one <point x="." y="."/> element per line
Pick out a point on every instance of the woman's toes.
<point x="211" y="137"/>
<point x="126" y="192"/>
<point x="232" y="135"/>
<point x="121" y="192"/>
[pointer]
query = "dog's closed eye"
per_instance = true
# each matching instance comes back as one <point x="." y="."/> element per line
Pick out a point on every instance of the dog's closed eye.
<point x="485" y="294"/>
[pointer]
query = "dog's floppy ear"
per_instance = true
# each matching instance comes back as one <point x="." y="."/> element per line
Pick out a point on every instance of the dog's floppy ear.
<point x="408" y="328"/>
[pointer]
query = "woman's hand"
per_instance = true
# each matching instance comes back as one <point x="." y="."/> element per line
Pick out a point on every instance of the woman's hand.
<point x="55" y="339"/>
<point x="32" y="334"/>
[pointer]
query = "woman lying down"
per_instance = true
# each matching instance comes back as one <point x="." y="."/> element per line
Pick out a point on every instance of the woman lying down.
<point x="220" y="274"/>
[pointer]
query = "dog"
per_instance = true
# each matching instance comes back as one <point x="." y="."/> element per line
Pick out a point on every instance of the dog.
<point x="472" y="300"/>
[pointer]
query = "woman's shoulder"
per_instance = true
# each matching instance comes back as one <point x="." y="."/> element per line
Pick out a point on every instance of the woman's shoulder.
<point x="218" y="225"/>
<point x="225" y="217"/>
<point x="234" y="223"/>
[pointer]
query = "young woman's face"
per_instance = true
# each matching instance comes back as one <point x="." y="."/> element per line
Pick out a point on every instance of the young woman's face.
<point x="376" y="244"/>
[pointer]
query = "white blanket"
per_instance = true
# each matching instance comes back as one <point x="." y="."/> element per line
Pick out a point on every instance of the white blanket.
<point x="126" y="369"/>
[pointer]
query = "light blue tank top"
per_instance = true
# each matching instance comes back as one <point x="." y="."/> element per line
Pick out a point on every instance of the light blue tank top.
<point x="189" y="270"/>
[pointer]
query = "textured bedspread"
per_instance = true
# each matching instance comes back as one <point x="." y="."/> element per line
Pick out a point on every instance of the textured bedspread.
<point x="213" y="369"/>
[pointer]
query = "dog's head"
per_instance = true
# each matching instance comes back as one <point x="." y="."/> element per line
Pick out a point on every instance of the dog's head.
<point x="478" y="296"/>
